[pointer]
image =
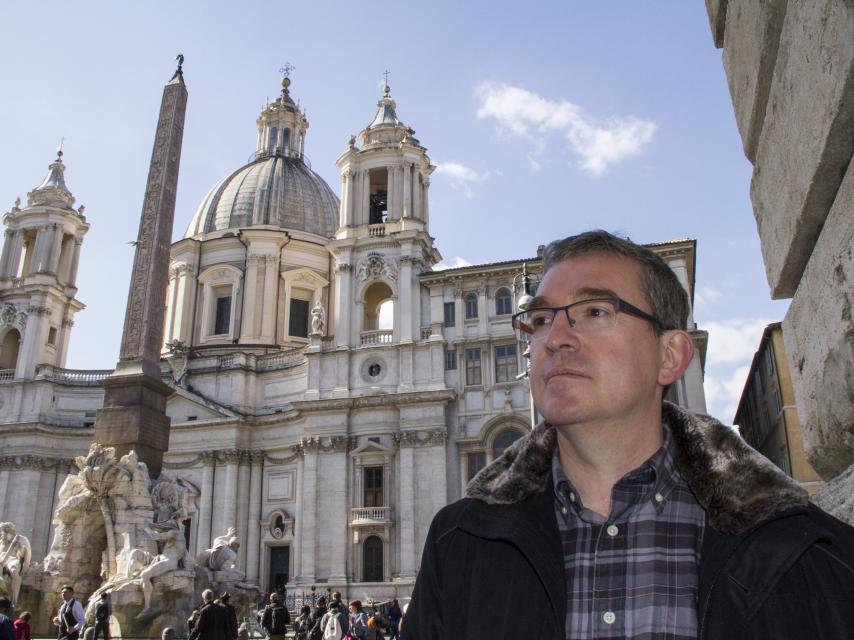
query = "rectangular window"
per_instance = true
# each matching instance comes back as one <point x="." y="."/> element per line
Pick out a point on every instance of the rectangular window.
<point x="373" y="487"/>
<point x="471" y="306"/>
<point x="51" y="336"/>
<point x="450" y="314"/>
<point x="474" y="463"/>
<point x="473" y="366"/>
<point x="298" y="323"/>
<point x="450" y="360"/>
<point x="222" y="317"/>
<point x="505" y="363"/>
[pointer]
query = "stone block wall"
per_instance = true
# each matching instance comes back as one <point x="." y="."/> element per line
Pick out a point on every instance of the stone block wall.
<point x="790" y="69"/>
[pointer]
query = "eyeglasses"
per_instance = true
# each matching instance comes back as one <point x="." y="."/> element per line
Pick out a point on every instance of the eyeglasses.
<point x="587" y="316"/>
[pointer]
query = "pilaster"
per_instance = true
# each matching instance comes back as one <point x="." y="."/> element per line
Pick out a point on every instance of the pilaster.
<point x="253" y="536"/>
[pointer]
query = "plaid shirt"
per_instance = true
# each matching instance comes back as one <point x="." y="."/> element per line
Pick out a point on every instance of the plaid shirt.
<point x="634" y="573"/>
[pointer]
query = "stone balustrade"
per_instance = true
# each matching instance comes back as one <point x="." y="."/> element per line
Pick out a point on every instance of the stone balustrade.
<point x="74" y="377"/>
<point x="370" y="515"/>
<point x="381" y="336"/>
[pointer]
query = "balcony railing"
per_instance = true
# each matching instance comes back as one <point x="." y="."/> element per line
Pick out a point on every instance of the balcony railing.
<point x="370" y="515"/>
<point x="7" y="375"/>
<point x="74" y="377"/>
<point x="376" y="230"/>
<point x="280" y="360"/>
<point x="383" y="336"/>
<point x="426" y="332"/>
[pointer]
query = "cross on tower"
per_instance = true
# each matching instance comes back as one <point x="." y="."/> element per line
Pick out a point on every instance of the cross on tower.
<point x="286" y="70"/>
<point x="386" y="76"/>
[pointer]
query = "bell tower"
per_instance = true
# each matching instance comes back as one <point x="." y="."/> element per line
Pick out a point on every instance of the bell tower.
<point x="383" y="241"/>
<point x="38" y="271"/>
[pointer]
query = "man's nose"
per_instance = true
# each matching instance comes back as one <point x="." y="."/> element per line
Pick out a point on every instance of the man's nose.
<point x="561" y="333"/>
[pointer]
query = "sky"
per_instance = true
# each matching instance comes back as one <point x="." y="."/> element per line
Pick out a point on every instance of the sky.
<point x="543" y="120"/>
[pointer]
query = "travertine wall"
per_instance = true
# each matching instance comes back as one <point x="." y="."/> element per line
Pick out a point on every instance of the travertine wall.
<point x="790" y="68"/>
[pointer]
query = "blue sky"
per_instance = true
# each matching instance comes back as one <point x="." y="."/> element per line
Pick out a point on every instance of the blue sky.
<point x="544" y="120"/>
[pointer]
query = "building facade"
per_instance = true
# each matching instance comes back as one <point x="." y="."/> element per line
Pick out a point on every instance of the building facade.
<point x="331" y="390"/>
<point x="767" y="416"/>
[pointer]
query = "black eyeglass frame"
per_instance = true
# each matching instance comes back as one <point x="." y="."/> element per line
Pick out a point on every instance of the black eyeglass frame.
<point x="620" y="306"/>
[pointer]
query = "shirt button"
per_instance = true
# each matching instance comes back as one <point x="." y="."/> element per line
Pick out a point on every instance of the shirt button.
<point x="609" y="617"/>
<point x="563" y="510"/>
<point x="659" y="498"/>
<point x="572" y="497"/>
<point x="612" y="530"/>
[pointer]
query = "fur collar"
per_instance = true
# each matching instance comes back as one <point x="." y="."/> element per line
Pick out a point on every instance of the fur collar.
<point x="736" y="486"/>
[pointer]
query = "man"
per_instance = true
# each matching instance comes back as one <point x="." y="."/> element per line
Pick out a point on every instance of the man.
<point x="335" y="623"/>
<point x="275" y="618"/>
<point x="621" y="516"/>
<point x="230" y="615"/>
<point x="70" y="619"/>
<point x="103" y="611"/>
<point x="212" y="623"/>
<point x="7" y="629"/>
<point x="314" y="625"/>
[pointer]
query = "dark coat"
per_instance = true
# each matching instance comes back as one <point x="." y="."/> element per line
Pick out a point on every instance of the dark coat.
<point x="772" y="565"/>
<point x="212" y="623"/>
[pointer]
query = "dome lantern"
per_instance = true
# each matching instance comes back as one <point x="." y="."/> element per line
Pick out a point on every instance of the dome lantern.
<point x="282" y="125"/>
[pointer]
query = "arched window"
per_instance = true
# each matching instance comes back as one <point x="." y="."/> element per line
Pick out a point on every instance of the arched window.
<point x="274" y="137"/>
<point x="503" y="302"/>
<point x="471" y="306"/>
<point x="372" y="559"/>
<point x="504" y="440"/>
<point x="378" y="319"/>
<point x="9" y="349"/>
<point x="286" y="139"/>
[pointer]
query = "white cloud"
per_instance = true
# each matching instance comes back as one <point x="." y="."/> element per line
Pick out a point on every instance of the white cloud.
<point x="453" y="263"/>
<point x="461" y="177"/>
<point x="600" y="144"/>
<point x="723" y="393"/>
<point x="705" y="296"/>
<point x="734" y="340"/>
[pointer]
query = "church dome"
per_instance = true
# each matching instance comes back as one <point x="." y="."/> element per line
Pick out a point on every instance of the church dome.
<point x="277" y="187"/>
<point x="272" y="190"/>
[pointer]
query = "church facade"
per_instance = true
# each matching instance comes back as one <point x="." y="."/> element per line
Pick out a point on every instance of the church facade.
<point x="331" y="390"/>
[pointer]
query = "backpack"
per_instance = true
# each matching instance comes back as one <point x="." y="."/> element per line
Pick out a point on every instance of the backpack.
<point x="332" y="630"/>
<point x="279" y="619"/>
<point x="359" y="625"/>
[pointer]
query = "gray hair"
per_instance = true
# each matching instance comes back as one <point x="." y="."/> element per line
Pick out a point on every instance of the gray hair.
<point x="660" y="288"/>
<point x="207" y="595"/>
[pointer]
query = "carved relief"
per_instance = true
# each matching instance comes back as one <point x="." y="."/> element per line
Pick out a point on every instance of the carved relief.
<point x="422" y="438"/>
<point x="376" y="266"/>
<point x="12" y="316"/>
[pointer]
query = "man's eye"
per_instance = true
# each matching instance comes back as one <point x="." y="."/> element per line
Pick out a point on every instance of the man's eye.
<point x="598" y="311"/>
<point x="541" y="319"/>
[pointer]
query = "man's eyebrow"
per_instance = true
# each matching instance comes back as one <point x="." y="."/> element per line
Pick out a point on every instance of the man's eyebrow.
<point x="585" y="293"/>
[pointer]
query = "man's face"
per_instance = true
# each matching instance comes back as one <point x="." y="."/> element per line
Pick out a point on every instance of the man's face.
<point x="588" y="377"/>
<point x="66" y="594"/>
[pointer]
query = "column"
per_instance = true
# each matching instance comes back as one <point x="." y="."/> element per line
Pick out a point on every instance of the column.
<point x="171" y="303"/>
<point x="271" y="288"/>
<point x="203" y="530"/>
<point x="417" y="195"/>
<point x="308" y="530"/>
<point x="228" y="502"/>
<point x="55" y="249"/>
<point x="253" y="536"/>
<point x="405" y="295"/>
<point x="407" y="190"/>
<point x="343" y="300"/>
<point x="243" y="499"/>
<point x="365" y="208"/>
<point x="249" y="294"/>
<point x="349" y="215"/>
<point x="39" y="250"/>
<point x="336" y="480"/>
<point x="4" y="485"/>
<point x="7" y="253"/>
<point x="342" y="207"/>
<point x="75" y="261"/>
<point x="391" y="197"/>
<point x="426" y="202"/>
<point x="15" y="253"/>
<point x="406" y="509"/>
<point x="483" y="310"/>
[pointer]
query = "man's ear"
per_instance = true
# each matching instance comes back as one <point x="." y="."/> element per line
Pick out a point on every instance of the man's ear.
<point x="677" y="349"/>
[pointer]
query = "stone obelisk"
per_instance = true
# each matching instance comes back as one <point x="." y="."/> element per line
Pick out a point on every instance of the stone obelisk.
<point x="134" y="413"/>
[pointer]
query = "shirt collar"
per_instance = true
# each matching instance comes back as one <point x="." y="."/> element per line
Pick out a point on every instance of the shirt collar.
<point x="652" y="480"/>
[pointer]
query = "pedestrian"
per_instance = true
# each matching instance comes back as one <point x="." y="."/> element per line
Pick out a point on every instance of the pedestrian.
<point x="193" y="619"/>
<point x="230" y="615"/>
<point x="212" y="623"/>
<point x="301" y="623"/>
<point x="315" y="629"/>
<point x="394" y="616"/>
<point x="336" y="597"/>
<point x="103" y="611"/>
<point x="335" y="622"/>
<point x="358" y="620"/>
<point x="275" y="618"/>
<point x="70" y="619"/>
<point x="22" y="626"/>
<point x="7" y="629"/>
<point x="621" y="515"/>
<point x="375" y="627"/>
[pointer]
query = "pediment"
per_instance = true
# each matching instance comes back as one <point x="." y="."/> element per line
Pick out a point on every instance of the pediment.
<point x="183" y="405"/>
<point x="371" y="449"/>
<point x="305" y="277"/>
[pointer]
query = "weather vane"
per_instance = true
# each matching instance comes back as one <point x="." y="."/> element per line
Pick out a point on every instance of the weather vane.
<point x="286" y="70"/>
<point x="386" y="80"/>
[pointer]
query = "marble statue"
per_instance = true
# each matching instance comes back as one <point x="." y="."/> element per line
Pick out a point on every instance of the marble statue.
<point x="15" y="554"/>
<point x="318" y="319"/>
<point x="223" y="554"/>
<point x="172" y="556"/>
